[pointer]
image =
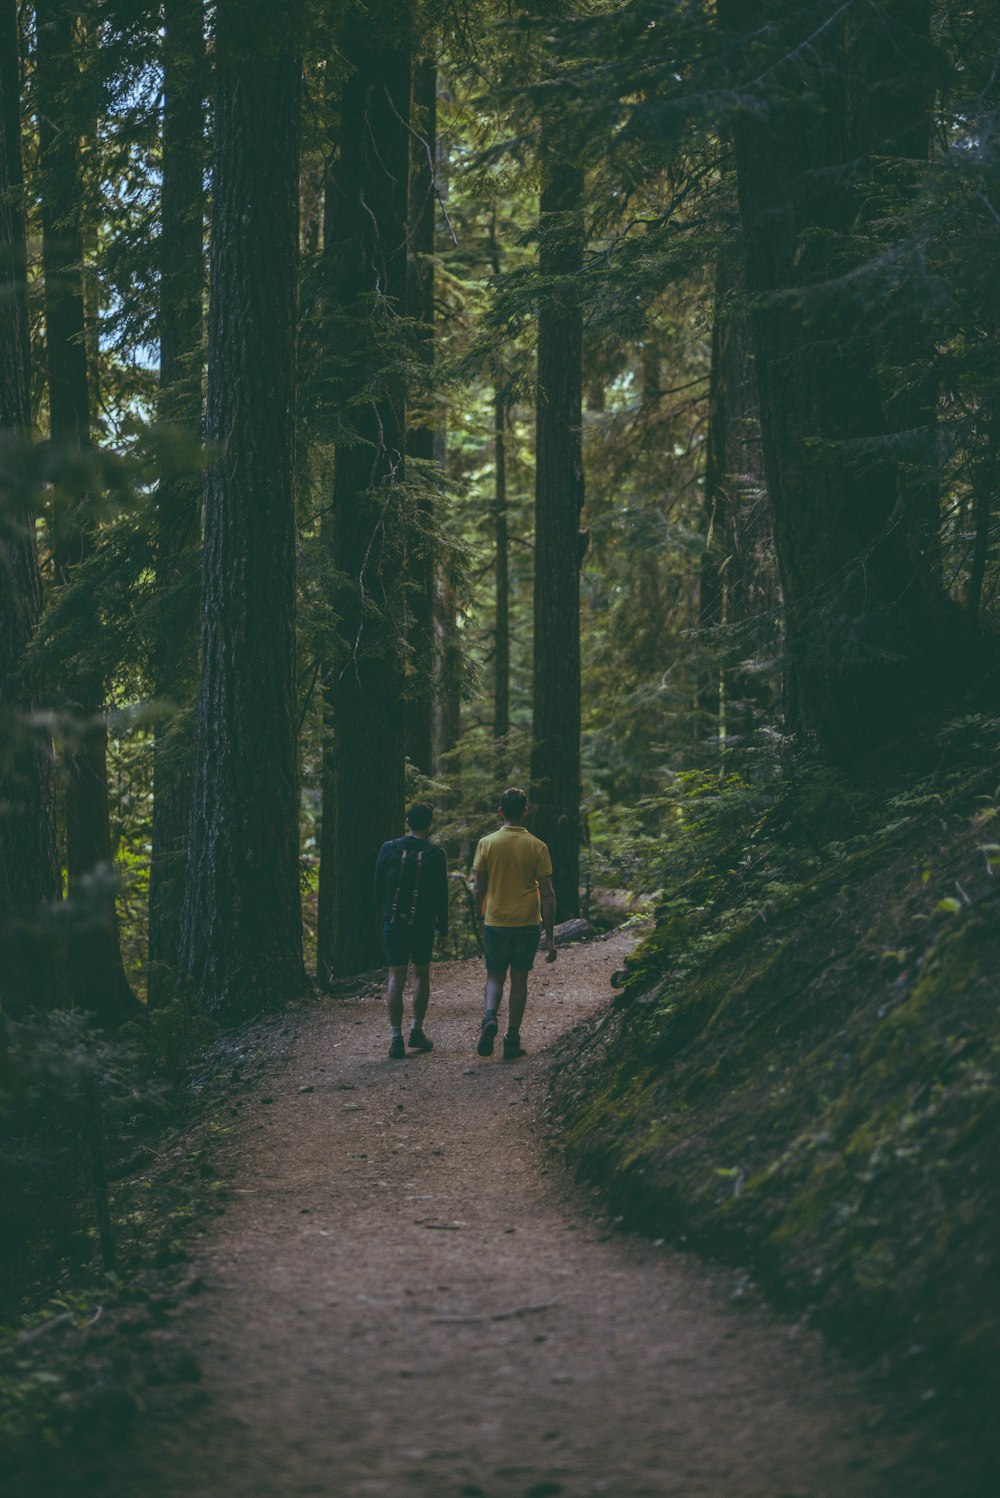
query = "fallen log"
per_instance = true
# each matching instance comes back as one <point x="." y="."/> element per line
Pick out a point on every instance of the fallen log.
<point x="568" y="931"/>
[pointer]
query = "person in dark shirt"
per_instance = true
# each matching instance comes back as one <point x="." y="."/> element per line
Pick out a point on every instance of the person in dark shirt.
<point x="411" y="886"/>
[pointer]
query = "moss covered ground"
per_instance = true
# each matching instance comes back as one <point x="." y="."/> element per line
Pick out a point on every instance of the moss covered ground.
<point x="801" y="1071"/>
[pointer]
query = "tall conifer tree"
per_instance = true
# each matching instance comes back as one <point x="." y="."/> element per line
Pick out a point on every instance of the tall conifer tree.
<point x="420" y="432"/>
<point x="365" y="279"/>
<point x="98" y="977"/>
<point x="29" y="869"/>
<point x="241" y="940"/>
<point x="860" y="635"/>
<point x="555" y="762"/>
<point x="178" y="501"/>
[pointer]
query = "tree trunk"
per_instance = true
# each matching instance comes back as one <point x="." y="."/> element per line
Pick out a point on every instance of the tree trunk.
<point x="241" y="929"/>
<point x="29" y="866"/>
<point x="448" y="728"/>
<point x="178" y="500"/>
<point x="98" y="977"/>
<point x="365" y="255"/>
<point x="858" y="635"/>
<point x="501" y="630"/>
<point x="501" y="542"/>
<point x="891" y="67"/>
<point x="555" y="763"/>
<point x="420" y="558"/>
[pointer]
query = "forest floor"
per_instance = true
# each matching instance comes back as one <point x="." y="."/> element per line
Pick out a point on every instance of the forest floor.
<point x="405" y="1295"/>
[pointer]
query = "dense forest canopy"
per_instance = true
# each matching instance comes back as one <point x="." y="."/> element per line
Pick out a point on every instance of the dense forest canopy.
<point x="418" y="397"/>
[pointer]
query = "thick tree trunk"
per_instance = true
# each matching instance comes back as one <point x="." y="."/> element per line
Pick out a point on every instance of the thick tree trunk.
<point x="501" y="543"/>
<point x="857" y="628"/>
<point x="97" y="974"/>
<point x="420" y="558"/>
<point x="178" y="500"/>
<point x="29" y="867"/>
<point x="365" y="252"/>
<point x="241" y="939"/>
<point x="501" y="628"/>
<point x="555" y="762"/>
<point x="891" y="67"/>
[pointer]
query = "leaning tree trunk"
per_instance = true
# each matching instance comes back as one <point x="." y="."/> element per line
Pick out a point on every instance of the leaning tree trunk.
<point x="178" y="499"/>
<point x="29" y="867"/>
<point x="555" y="760"/>
<point x="859" y="635"/>
<point x="241" y="928"/>
<point x="420" y="434"/>
<point x="98" y="977"/>
<point x="365" y="279"/>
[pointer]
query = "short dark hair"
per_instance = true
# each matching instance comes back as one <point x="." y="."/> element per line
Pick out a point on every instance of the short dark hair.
<point x="420" y="816"/>
<point x="512" y="803"/>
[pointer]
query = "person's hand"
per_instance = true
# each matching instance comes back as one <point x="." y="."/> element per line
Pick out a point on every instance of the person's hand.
<point x="552" y="953"/>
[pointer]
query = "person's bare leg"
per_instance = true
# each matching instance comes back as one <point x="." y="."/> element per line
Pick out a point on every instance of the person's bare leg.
<point x="492" y="999"/>
<point x="518" y="999"/>
<point x="394" y="996"/>
<point x="421" y="993"/>
<point x="493" y="995"/>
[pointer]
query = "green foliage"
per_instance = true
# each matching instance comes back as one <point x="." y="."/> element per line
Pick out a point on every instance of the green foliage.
<point x="801" y="1074"/>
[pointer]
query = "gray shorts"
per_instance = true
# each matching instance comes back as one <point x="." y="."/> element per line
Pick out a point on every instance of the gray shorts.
<point x="511" y="947"/>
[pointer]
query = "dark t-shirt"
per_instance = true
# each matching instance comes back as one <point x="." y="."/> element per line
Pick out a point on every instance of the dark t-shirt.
<point x="432" y="895"/>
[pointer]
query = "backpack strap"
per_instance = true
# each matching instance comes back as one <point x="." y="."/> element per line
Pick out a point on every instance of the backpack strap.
<point x="416" y="887"/>
<point x="397" y="889"/>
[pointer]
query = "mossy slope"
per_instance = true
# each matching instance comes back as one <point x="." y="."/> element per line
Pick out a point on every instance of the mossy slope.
<point x="802" y="1072"/>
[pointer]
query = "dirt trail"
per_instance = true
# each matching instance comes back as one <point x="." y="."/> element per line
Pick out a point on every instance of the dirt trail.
<point x="405" y="1299"/>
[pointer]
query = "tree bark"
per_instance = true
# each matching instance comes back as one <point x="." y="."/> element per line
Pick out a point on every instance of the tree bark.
<point x="365" y="276"/>
<point x="555" y="762"/>
<point x="29" y="866"/>
<point x="241" y="929"/>
<point x="420" y="558"/>
<point x="857" y="627"/>
<point x="501" y="542"/>
<point x="98" y="977"/>
<point x="501" y="628"/>
<point x="448" y="724"/>
<point x="891" y="65"/>
<point x="178" y="500"/>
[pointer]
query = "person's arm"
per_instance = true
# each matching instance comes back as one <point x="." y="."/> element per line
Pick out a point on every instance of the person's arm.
<point x="442" y="911"/>
<point x="481" y="881"/>
<point x="380" y="867"/>
<point x="548" y="896"/>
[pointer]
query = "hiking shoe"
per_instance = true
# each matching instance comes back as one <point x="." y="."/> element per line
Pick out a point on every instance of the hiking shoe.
<point x="397" y="1049"/>
<point x="512" y="1048"/>
<point x="418" y="1040"/>
<point x="487" y="1034"/>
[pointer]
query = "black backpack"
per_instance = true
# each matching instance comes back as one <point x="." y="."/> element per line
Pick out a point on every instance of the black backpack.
<point x="407" y="867"/>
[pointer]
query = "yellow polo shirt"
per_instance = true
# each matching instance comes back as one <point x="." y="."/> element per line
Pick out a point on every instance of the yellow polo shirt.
<point x="513" y="861"/>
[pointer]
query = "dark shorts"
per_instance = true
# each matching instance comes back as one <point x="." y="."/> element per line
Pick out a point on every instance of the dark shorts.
<point x="408" y="944"/>
<point x="511" y="947"/>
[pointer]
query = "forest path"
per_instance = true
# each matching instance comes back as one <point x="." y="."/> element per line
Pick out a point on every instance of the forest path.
<point x="405" y="1298"/>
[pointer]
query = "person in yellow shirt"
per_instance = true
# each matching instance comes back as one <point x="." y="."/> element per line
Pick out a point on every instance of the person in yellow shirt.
<point x="514" y="898"/>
